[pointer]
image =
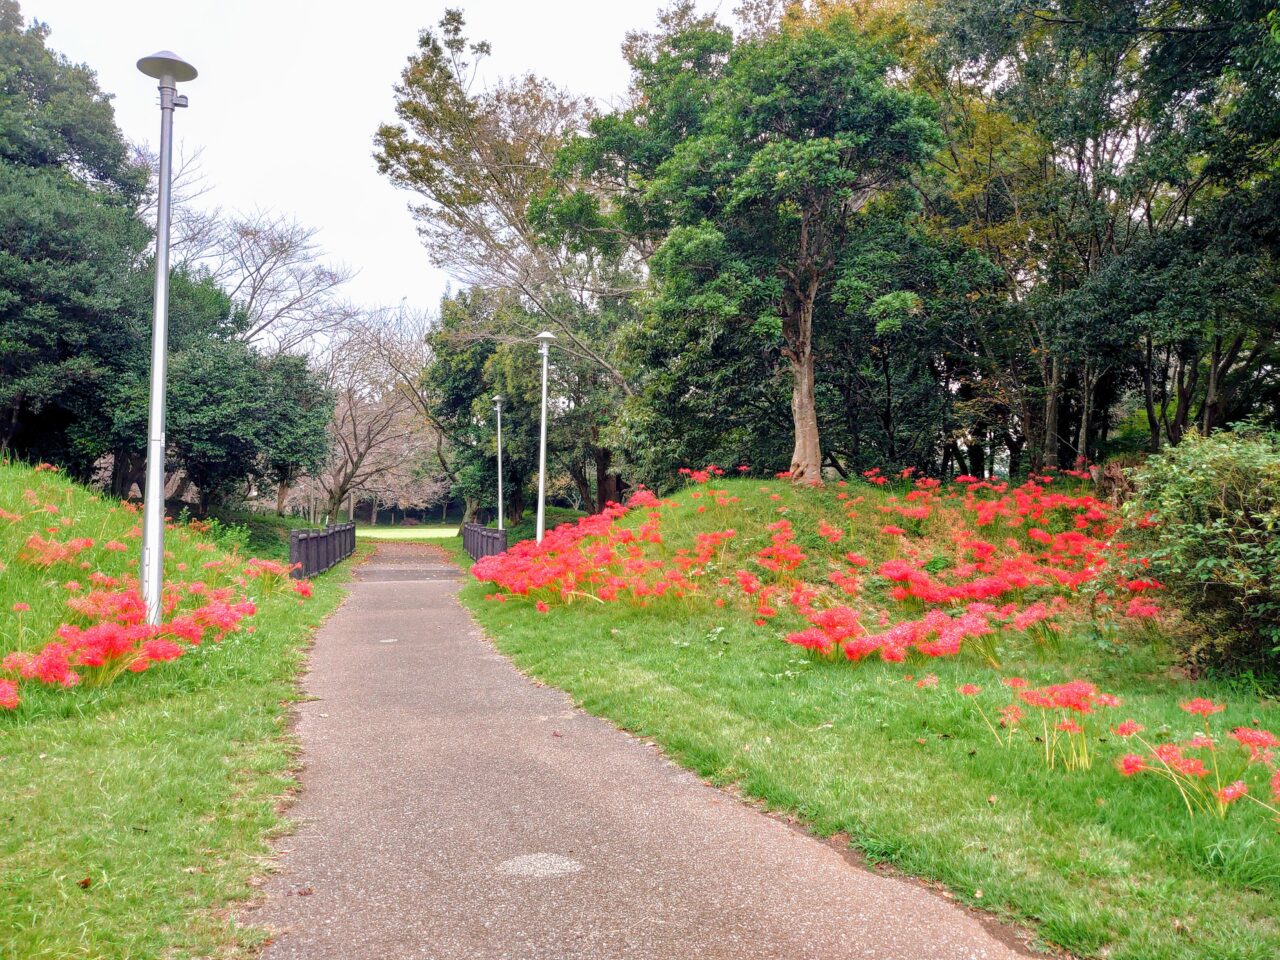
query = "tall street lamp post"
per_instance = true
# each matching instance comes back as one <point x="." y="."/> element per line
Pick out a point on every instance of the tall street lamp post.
<point x="170" y="70"/>
<point x="544" y="339"/>
<point x="497" y="405"/>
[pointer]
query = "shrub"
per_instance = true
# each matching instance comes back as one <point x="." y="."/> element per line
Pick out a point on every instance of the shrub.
<point x="1215" y="504"/>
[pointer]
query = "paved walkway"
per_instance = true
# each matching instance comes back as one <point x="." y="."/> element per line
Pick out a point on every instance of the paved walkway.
<point x="452" y="809"/>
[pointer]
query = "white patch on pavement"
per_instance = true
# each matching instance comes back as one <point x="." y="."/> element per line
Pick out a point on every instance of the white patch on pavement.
<point x="390" y="640"/>
<point x="539" y="865"/>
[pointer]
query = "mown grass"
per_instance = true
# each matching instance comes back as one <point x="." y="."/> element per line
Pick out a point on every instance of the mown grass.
<point x="1098" y="864"/>
<point x="406" y="533"/>
<point x="135" y="814"/>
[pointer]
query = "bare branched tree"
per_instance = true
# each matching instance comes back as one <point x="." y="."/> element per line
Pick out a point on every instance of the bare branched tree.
<point x="271" y="266"/>
<point x="380" y="443"/>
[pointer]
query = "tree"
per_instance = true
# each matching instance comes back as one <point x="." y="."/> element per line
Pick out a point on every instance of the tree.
<point x="220" y="418"/>
<point x="483" y="169"/>
<point x="375" y="430"/>
<point x="69" y="241"/>
<point x="301" y="407"/>
<point x="785" y="148"/>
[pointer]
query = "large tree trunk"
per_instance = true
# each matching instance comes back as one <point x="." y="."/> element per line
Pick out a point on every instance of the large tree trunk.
<point x="608" y="484"/>
<point x="470" y="508"/>
<point x="1149" y="395"/>
<point x="282" y="492"/>
<point x="806" y="458"/>
<point x="1086" y="397"/>
<point x="797" y="330"/>
<point x="1051" y="414"/>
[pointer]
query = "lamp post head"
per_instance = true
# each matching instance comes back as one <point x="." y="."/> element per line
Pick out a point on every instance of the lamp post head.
<point x="165" y="64"/>
<point x="545" y="338"/>
<point x="497" y="401"/>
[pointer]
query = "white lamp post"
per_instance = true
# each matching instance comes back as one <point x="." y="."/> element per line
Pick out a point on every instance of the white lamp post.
<point x="169" y="69"/>
<point x="497" y="405"/>
<point x="544" y="339"/>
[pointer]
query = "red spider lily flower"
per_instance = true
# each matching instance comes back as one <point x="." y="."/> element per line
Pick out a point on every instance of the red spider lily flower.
<point x="744" y="468"/>
<point x="1202" y="707"/>
<point x="828" y="532"/>
<point x="115" y="546"/>
<point x="1201" y="742"/>
<point x="1171" y="756"/>
<point x="302" y="588"/>
<point x="811" y="639"/>
<point x="1130" y="764"/>
<point x="889" y="530"/>
<point x="1069" y="726"/>
<point x="1231" y="792"/>
<point x="1010" y="715"/>
<point x="1258" y="742"/>
<point x="160" y="650"/>
<point x="970" y="689"/>
<point x="71" y="586"/>
<point x="927" y="682"/>
<point x="1127" y="729"/>
<point x="541" y="606"/>
<point x="20" y="607"/>
<point x="1014" y="683"/>
<point x="9" y="699"/>
<point x="1141" y="609"/>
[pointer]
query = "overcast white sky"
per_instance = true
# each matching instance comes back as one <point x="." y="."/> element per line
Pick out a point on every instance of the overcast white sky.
<point x="291" y="91"/>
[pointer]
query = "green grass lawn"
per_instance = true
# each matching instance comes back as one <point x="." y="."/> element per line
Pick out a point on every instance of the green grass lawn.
<point x="407" y="533"/>
<point x="1098" y="864"/>
<point x="135" y="814"/>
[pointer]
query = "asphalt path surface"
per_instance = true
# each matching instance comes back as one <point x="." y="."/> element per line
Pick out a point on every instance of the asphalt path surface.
<point x="451" y="808"/>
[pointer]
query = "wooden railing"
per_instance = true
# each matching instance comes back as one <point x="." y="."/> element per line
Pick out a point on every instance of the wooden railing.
<point x="482" y="541"/>
<point x="315" y="551"/>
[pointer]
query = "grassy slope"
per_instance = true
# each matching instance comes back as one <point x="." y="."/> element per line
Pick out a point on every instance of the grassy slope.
<point x="1101" y="865"/>
<point x="264" y="534"/>
<point x="133" y="814"/>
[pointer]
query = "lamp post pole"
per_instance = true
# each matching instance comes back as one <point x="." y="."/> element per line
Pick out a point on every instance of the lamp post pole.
<point x="544" y="338"/>
<point x="497" y="405"/>
<point x="168" y="69"/>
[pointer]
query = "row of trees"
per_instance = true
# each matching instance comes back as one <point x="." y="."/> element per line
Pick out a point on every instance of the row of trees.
<point x="959" y="236"/>
<point x="270" y="380"/>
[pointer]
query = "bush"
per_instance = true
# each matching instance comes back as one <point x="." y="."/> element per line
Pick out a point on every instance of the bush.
<point x="1216" y="504"/>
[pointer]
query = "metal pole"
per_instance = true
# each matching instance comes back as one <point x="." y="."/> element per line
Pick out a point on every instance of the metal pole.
<point x="498" y="407"/>
<point x="153" y="503"/>
<point x="545" y="338"/>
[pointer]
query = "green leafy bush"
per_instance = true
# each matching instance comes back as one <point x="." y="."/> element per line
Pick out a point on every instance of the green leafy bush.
<point x="1216" y="504"/>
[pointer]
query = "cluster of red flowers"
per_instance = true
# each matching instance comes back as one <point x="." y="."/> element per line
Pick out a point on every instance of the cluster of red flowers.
<point x="1207" y="777"/>
<point x="1054" y="545"/>
<point x="1021" y="559"/>
<point x="105" y="632"/>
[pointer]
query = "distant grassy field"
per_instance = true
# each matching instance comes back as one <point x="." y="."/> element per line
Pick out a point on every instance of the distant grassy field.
<point x="406" y="533"/>
<point x="907" y="770"/>
<point x="134" y="813"/>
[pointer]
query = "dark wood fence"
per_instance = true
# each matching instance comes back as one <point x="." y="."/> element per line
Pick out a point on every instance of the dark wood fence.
<point x="318" y="550"/>
<point x="483" y="541"/>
